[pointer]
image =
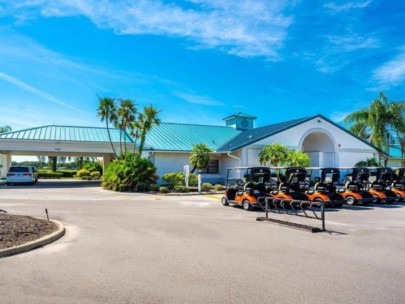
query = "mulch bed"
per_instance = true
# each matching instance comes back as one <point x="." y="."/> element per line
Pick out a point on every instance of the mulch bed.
<point x="17" y="229"/>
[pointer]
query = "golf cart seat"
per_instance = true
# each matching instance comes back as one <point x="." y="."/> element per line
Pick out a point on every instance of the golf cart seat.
<point x="352" y="186"/>
<point x="377" y="186"/>
<point x="398" y="185"/>
<point x="321" y="187"/>
<point x="284" y="188"/>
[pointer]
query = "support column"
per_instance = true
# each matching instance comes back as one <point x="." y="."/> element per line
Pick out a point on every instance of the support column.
<point x="106" y="160"/>
<point x="5" y="163"/>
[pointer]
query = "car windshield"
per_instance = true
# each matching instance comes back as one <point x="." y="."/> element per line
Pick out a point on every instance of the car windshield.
<point x="19" y="169"/>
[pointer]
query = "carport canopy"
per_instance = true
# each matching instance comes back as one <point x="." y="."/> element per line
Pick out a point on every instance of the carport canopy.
<point x="57" y="140"/>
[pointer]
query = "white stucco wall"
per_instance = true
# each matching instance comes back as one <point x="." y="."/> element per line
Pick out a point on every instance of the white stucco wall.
<point x="344" y="150"/>
<point x="167" y="162"/>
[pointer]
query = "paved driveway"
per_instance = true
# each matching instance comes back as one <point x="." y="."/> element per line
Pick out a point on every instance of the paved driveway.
<point x="134" y="248"/>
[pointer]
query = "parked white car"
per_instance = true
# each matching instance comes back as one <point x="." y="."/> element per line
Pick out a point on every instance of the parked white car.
<point x="21" y="175"/>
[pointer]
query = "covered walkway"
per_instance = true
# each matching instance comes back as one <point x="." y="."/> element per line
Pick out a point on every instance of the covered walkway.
<point x="55" y="140"/>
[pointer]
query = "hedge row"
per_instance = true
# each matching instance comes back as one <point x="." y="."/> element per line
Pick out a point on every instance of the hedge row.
<point x="46" y="175"/>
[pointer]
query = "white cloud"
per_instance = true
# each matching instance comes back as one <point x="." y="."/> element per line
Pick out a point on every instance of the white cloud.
<point x="197" y="99"/>
<point x="352" y="43"/>
<point x="335" y="8"/>
<point x="391" y="72"/>
<point x="26" y="87"/>
<point x="335" y="52"/>
<point x="243" y="28"/>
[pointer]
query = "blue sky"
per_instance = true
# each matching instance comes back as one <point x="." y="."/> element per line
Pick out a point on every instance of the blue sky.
<point x="198" y="61"/>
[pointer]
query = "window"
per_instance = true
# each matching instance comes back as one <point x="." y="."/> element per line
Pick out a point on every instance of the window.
<point x="212" y="167"/>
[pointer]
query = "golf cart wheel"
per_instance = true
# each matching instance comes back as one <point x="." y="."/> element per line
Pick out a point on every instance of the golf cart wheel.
<point x="224" y="201"/>
<point x="376" y="199"/>
<point x="350" y="200"/>
<point x="246" y="205"/>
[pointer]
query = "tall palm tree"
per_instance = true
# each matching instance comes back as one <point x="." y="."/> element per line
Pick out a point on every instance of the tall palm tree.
<point x="378" y="121"/>
<point x="147" y="120"/>
<point x="107" y="111"/>
<point x="5" y="129"/>
<point x="200" y="156"/>
<point x="134" y="128"/>
<point x="126" y="116"/>
<point x="275" y="154"/>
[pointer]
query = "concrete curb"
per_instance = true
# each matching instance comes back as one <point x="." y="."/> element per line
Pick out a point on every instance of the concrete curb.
<point x="45" y="240"/>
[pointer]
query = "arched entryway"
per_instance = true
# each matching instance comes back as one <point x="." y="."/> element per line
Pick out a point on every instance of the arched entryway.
<point x="321" y="149"/>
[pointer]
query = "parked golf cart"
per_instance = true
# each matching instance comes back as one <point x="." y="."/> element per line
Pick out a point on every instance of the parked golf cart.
<point x="291" y="185"/>
<point x="390" y="181"/>
<point x="375" y="187"/>
<point x="324" y="190"/>
<point x="350" y="191"/>
<point x="244" y="185"/>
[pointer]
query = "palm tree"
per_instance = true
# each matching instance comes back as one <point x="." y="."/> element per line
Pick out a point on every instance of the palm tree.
<point x="296" y="158"/>
<point x="275" y="154"/>
<point x="126" y="116"/>
<point x="200" y="156"/>
<point x="107" y="111"/>
<point x="5" y="129"/>
<point x="134" y="128"/>
<point x="378" y="121"/>
<point x="147" y="120"/>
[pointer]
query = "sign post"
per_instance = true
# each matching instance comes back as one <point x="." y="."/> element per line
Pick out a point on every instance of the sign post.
<point x="186" y="171"/>
<point x="199" y="182"/>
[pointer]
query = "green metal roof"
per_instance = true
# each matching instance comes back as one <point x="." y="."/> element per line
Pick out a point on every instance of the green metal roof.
<point x="254" y="135"/>
<point x="67" y="133"/>
<point x="251" y="136"/>
<point x="182" y="137"/>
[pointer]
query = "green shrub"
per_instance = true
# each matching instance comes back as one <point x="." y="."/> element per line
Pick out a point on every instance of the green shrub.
<point x="49" y="174"/>
<point x="95" y="175"/>
<point x="173" y="179"/>
<point x="206" y="187"/>
<point x="164" y="190"/>
<point x="181" y="189"/>
<point x="130" y="174"/>
<point x="219" y="187"/>
<point x="83" y="172"/>
<point x="93" y="166"/>
<point x="192" y="179"/>
<point x="67" y="173"/>
<point x="177" y="178"/>
<point x="86" y="178"/>
<point x="154" y="187"/>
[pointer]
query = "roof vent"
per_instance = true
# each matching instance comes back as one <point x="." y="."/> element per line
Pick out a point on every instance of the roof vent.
<point x="240" y="121"/>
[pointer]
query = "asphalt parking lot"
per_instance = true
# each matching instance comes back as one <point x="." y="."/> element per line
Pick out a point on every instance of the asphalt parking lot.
<point x="139" y="248"/>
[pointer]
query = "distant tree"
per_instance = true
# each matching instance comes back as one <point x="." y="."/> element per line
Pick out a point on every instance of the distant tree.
<point x="200" y="156"/>
<point x="107" y="111"/>
<point x="296" y="158"/>
<point x="53" y="161"/>
<point x="275" y="154"/>
<point x="5" y="129"/>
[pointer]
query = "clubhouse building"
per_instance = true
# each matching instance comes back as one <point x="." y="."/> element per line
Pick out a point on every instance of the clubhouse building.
<point x="168" y="146"/>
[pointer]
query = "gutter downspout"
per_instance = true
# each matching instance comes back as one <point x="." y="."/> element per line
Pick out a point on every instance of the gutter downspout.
<point x="235" y="157"/>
